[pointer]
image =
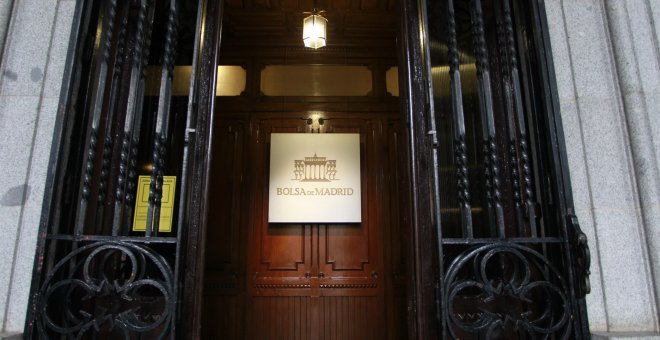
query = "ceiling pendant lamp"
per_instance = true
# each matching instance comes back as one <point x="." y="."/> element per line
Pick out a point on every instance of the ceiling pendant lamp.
<point x="314" y="29"/>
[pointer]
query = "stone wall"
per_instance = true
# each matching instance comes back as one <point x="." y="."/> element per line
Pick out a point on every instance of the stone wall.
<point x="607" y="59"/>
<point x="33" y="58"/>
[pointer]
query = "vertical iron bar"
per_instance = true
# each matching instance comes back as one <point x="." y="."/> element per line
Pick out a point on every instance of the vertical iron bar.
<point x="491" y="164"/>
<point x="509" y="109"/>
<point x="110" y="117"/>
<point x="96" y="106"/>
<point x="460" y="147"/>
<point x="522" y="130"/>
<point x="132" y="175"/>
<point x="162" y="135"/>
<point x="131" y="133"/>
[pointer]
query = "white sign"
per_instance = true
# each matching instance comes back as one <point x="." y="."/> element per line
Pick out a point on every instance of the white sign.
<point x="314" y="178"/>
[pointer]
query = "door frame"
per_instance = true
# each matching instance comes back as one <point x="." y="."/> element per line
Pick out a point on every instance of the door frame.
<point x="200" y="141"/>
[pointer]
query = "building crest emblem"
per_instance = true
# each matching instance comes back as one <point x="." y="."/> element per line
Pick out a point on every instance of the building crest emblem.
<point x="315" y="169"/>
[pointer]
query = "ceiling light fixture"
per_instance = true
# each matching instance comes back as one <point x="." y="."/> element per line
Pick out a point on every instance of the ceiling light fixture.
<point x="314" y="29"/>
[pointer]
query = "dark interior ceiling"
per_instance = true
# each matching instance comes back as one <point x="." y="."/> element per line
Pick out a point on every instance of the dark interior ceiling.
<point x="351" y="23"/>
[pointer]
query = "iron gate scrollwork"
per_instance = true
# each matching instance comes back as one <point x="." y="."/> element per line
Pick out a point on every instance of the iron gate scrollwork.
<point x="530" y="291"/>
<point x="115" y="287"/>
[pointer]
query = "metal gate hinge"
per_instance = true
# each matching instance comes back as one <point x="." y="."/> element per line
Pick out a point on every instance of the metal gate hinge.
<point x="581" y="255"/>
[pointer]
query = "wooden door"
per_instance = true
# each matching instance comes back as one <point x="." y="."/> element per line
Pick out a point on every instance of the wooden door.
<point x="303" y="281"/>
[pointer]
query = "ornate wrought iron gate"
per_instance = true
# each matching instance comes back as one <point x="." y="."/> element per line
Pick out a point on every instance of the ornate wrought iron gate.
<point x="489" y="175"/>
<point x="494" y="238"/>
<point x="96" y="274"/>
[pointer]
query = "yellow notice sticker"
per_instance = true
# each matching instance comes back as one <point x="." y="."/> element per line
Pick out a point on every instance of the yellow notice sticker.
<point x="166" y="204"/>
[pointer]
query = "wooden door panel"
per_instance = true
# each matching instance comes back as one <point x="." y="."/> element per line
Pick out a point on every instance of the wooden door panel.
<point x="222" y="317"/>
<point x="351" y="317"/>
<point x="324" y="318"/>
<point x="223" y="234"/>
<point x="347" y="263"/>
<point x="394" y="256"/>
<point x="350" y="254"/>
<point x="345" y="246"/>
<point x="294" y="261"/>
<point x="223" y="282"/>
<point x="307" y="281"/>
<point x="225" y="186"/>
<point x="281" y="252"/>
<point x="284" y="247"/>
<point x="275" y="317"/>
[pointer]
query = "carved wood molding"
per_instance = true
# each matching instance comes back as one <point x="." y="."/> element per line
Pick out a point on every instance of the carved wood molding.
<point x="275" y="286"/>
<point x="348" y="285"/>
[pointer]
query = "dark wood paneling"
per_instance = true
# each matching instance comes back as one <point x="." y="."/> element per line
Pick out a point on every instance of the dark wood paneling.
<point x="225" y="313"/>
<point x="283" y="247"/>
<point x="225" y="196"/>
<point x="351" y="317"/>
<point x="394" y="259"/>
<point x="337" y="318"/>
<point x="224" y="275"/>
<point x="303" y="281"/>
<point x="279" y="318"/>
<point x="346" y="246"/>
<point x="280" y="255"/>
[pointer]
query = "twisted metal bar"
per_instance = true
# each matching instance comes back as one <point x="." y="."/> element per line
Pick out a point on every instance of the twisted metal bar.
<point x="520" y="115"/>
<point x="125" y="192"/>
<point x="89" y="165"/>
<point x="491" y="162"/>
<point x="110" y="117"/>
<point x="460" y="147"/>
<point x="105" y="166"/>
<point x="509" y="110"/>
<point x="96" y="107"/>
<point x="156" y="185"/>
<point x="162" y="123"/>
<point x="137" y="119"/>
<point x="107" y="141"/>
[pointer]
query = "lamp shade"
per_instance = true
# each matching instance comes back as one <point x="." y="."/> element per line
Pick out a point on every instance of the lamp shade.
<point x="314" y="29"/>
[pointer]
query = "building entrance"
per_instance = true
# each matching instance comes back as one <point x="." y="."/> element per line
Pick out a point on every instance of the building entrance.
<point x="155" y="221"/>
<point x="303" y="280"/>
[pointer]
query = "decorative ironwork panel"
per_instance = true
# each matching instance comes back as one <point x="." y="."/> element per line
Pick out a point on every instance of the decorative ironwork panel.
<point x="511" y="266"/>
<point x="505" y="290"/>
<point x="96" y="275"/>
<point x="112" y="288"/>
